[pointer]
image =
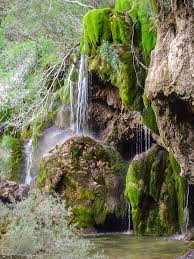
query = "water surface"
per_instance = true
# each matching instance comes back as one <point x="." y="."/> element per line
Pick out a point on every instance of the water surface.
<point x="128" y="246"/>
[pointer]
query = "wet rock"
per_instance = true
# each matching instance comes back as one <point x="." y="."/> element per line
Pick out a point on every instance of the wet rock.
<point x="189" y="235"/>
<point x="91" y="179"/>
<point x="188" y="255"/>
<point x="108" y="121"/>
<point x="9" y="189"/>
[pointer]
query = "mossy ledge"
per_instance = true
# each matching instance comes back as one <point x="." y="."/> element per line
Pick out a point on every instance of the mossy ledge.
<point x="155" y="192"/>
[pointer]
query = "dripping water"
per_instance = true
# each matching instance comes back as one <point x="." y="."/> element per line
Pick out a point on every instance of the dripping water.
<point x="82" y="102"/>
<point x="129" y="219"/>
<point x="143" y="139"/>
<point x="147" y="138"/>
<point x="28" y="163"/>
<point x="186" y="210"/>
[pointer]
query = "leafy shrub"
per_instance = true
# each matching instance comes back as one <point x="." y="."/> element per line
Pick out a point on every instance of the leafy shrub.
<point x="40" y="225"/>
<point x="10" y="158"/>
<point x="110" y="55"/>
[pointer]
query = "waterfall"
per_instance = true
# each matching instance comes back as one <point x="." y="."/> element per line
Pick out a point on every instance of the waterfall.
<point x="69" y="88"/>
<point x="143" y="138"/>
<point x="28" y="161"/>
<point x="82" y="101"/>
<point x="129" y="218"/>
<point x="147" y="138"/>
<point x="186" y="210"/>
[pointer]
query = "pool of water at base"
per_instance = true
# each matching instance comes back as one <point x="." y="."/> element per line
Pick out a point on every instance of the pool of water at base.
<point x="125" y="246"/>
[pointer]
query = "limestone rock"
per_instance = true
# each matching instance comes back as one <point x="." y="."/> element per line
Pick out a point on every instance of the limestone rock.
<point x="108" y="121"/>
<point x="170" y="84"/>
<point x="9" y="189"/>
<point x="91" y="179"/>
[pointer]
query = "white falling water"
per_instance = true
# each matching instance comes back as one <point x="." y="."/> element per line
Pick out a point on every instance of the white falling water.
<point x="143" y="138"/>
<point x="129" y="218"/>
<point x="69" y="87"/>
<point x="147" y="138"/>
<point x="28" y="162"/>
<point x="82" y="102"/>
<point x="186" y="210"/>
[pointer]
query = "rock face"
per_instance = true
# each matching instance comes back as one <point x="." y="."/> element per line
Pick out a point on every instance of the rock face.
<point x="155" y="193"/>
<point x="108" y="122"/>
<point x="91" y="179"/>
<point x="170" y="83"/>
<point x="9" y="189"/>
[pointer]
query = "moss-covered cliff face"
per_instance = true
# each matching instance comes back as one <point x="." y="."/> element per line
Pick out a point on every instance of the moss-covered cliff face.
<point x="119" y="43"/>
<point x="91" y="179"/>
<point x="156" y="193"/>
<point x="107" y="38"/>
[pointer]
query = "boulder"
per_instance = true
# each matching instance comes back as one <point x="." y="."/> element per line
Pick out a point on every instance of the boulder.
<point x="91" y="179"/>
<point x="156" y="193"/>
<point x="10" y="189"/>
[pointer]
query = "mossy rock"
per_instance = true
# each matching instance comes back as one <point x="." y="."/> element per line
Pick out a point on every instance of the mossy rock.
<point x="151" y="189"/>
<point x="148" y="116"/>
<point x="145" y="13"/>
<point x="116" y="28"/>
<point x="89" y="177"/>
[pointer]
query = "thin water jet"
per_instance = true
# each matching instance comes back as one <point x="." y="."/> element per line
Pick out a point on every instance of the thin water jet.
<point x="82" y="101"/>
<point x="28" y="151"/>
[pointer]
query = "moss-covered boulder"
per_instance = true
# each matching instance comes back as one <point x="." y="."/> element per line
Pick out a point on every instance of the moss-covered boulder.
<point x="154" y="191"/>
<point x="91" y="179"/>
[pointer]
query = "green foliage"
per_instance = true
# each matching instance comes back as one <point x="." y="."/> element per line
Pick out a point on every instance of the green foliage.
<point x="109" y="54"/>
<point x="40" y="225"/>
<point x="11" y="155"/>
<point x="35" y="36"/>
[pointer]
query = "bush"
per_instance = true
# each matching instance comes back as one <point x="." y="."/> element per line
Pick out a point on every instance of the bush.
<point x="40" y="225"/>
<point x="10" y="158"/>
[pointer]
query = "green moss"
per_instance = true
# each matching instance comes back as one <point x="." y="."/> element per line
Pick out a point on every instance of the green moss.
<point x="126" y="80"/>
<point x="151" y="191"/>
<point x="148" y="115"/>
<point x="104" y="25"/>
<point x="142" y="11"/>
<point x="181" y="187"/>
<point x="12" y="156"/>
<point x="41" y="178"/>
<point x="85" y="191"/>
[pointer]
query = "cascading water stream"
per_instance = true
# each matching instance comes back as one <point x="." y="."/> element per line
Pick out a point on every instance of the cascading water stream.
<point x="186" y="210"/>
<point x="82" y="102"/>
<point x="28" y="163"/>
<point x="69" y="87"/>
<point x="129" y="219"/>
